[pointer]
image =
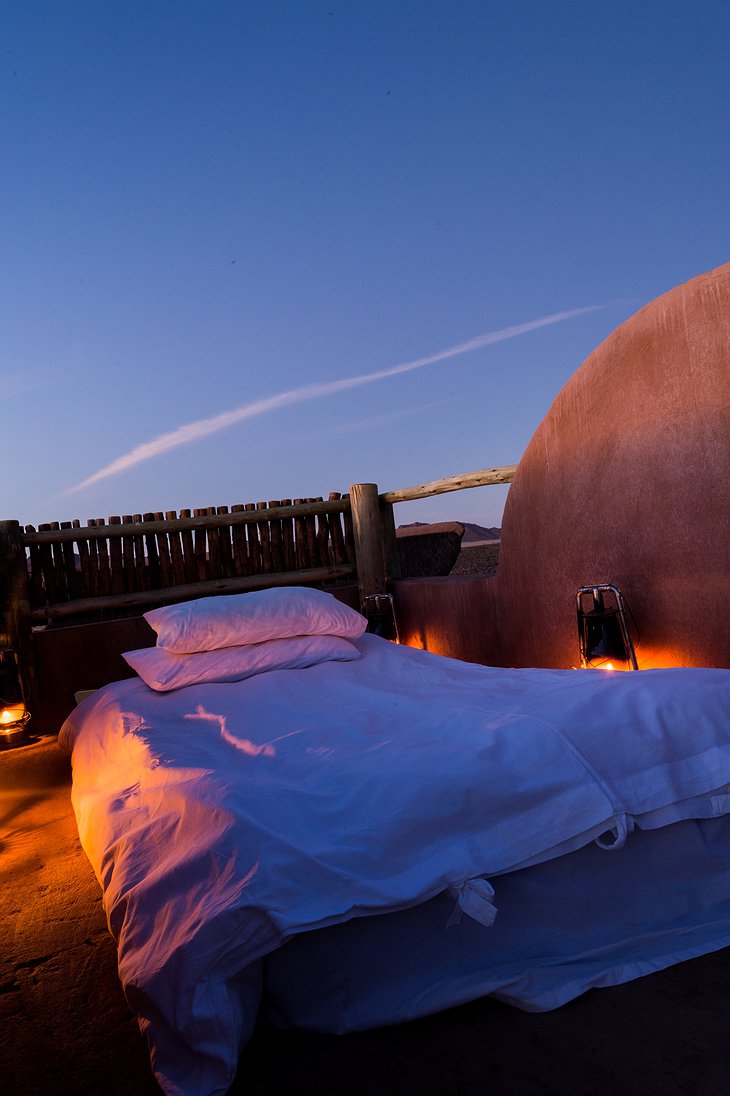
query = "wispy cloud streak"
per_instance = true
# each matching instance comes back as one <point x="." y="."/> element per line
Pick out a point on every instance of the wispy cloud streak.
<point x="193" y="431"/>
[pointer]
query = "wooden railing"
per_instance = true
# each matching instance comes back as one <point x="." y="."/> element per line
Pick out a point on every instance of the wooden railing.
<point x="374" y="525"/>
<point x="64" y="572"/>
<point x="485" y="478"/>
<point x="135" y="560"/>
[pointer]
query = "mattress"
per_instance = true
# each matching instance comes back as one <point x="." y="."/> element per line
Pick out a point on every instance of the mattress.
<point x="578" y="922"/>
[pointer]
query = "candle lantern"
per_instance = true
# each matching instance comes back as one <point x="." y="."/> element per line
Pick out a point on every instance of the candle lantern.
<point x="603" y="632"/>
<point x="14" y="714"/>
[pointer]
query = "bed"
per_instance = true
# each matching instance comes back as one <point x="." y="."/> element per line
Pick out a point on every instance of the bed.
<point x="291" y="818"/>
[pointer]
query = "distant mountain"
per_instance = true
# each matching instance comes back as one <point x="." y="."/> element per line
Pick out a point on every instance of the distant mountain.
<point x="478" y="532"/>
<point x="472" y="532"/>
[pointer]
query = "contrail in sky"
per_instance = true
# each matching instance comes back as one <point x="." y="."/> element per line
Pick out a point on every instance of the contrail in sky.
<point x="192" y="431"/>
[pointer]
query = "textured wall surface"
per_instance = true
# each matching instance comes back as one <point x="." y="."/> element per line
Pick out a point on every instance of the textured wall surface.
<point x="626" y="480"/>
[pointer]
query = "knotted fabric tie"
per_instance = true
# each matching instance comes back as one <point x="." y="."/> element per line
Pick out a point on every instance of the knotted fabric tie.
<point x="474" y="897"/>
<point x="615" y="838"/>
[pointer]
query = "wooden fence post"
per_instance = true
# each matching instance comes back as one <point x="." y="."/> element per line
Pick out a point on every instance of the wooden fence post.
<point x="368" y="535"/>
<point x="375" y="549"/>
<point x="390" y="541"/>
<point x="15" y="620"/>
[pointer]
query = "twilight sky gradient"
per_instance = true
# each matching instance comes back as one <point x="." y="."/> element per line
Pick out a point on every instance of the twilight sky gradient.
<point x="254" y="250"/>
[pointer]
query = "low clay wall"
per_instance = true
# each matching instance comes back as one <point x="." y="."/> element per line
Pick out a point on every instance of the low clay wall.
<point x="455" y="616"/>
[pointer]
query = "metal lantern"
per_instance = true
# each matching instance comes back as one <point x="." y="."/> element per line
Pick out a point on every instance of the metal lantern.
<point x="14" y="714"/>
<point x="603" y="633"/>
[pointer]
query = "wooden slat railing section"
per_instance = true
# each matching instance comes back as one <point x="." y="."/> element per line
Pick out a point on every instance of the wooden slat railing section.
<point x="125" y="562"/>
<point x="65" y="572"/>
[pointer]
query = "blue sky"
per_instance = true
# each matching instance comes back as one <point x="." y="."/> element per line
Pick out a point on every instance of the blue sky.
<point x="226" y="225"/>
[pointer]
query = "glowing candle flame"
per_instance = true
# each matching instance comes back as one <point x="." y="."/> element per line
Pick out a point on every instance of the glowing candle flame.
<point x="13" y="714"/>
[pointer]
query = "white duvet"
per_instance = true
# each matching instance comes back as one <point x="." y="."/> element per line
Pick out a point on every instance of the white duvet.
<point x="223" y="819"/>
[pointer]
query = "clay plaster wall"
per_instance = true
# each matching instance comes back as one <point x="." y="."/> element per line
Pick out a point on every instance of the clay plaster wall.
<point x="626" y="480"/>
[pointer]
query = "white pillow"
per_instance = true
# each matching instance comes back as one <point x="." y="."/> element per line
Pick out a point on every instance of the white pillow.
<point x="235" y="619"/>
<point x="163" y="670"/>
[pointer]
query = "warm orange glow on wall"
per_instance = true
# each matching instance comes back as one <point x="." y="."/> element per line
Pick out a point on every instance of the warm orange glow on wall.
<point x="665" y="658"/>
<point x="652" y="658"/>
<point x="425" y="640"/>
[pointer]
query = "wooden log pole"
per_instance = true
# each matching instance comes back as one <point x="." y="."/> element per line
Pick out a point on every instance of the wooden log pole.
<point x="201" y="546"/>
<point x="69" y="564"/>
<point x="59" y="569"/>
<point x="46" y="558"/>
<point x="349" y="536"/>
<point x="88" y="574"/>
<point x="116" y="559"/>
<point x="153" y="557"/>
<point x="226" y="546"/>
<point x="277" y="549"/>
<point x="238" y="539"/>
<point x="287" y="540"/>
<point x="390" y="540"/>
<point x="128" y="557"/>
<point x="163" y="555"/>
<point x="254" y="548"/>
<point x="368" y="540"/>
<point x="37" y="591"/>
<point x="140" y="563"/>
<point x="15" y="612"/>
<point x="486" y="477"/>
<point x="337" y="535"/>
<point x="264" y="540"/>
<point x="102" y="548"/>
<point x="190" y="565"/>
<point x="300" y="538"/>
<point x="214" y="547"/>
<point x="176" y="552"/>
<point x="323" y="539"/>
<point x="310" y="532"/>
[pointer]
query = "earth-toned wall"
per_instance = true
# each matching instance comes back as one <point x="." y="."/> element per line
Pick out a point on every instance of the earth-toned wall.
<point x="626" y="480"/>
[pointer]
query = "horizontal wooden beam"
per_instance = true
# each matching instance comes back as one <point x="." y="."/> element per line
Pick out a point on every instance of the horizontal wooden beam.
<point x="485" y="478"/>
<point x="192" y="590"/>
<point x="176" y="525"/>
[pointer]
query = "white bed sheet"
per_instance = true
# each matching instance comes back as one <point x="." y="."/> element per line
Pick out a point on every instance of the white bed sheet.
<point x="223" y="819"/>
<point x="565" y="926"/>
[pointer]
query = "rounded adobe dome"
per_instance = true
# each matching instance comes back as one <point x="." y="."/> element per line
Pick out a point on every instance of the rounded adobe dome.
<point x="627" y="480"/>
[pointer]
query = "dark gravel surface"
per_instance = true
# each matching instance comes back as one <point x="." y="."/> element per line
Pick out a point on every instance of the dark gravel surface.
<point x="481" y="559"/>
